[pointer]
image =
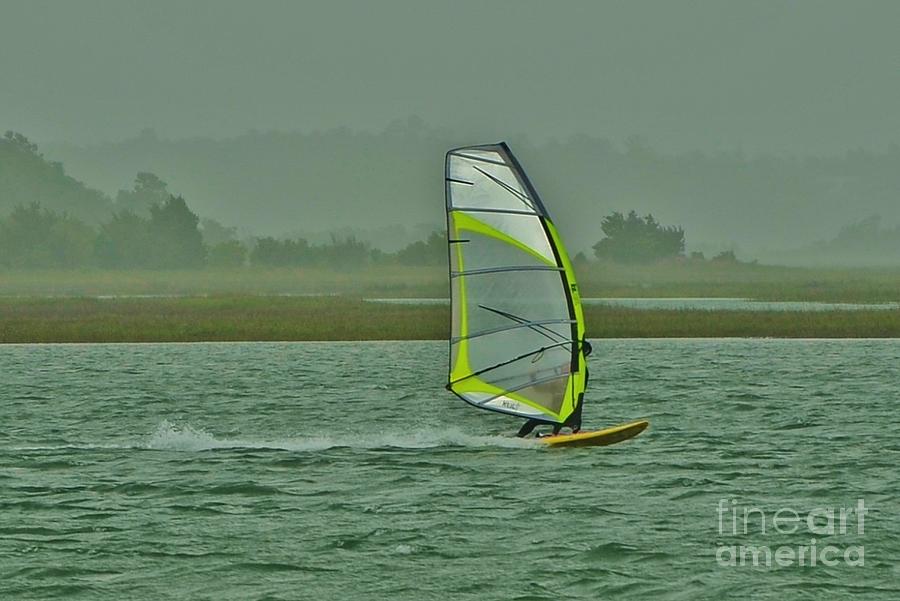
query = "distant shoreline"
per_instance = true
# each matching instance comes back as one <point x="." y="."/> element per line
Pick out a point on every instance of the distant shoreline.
<point x="342" y="318"/>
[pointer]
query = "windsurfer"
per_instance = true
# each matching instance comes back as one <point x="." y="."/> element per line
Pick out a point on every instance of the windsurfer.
<point x="574" y="419"/>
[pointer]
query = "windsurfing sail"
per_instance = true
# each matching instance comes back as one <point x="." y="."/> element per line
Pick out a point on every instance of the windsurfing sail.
<point x="517" y="322"/>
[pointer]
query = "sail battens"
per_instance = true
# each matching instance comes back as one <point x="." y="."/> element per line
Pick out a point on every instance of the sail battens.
<point x="486" y="270"/>
<point x="482" y="159"/>
<point x="540" y="329"/>
<point x="516" y="318"/>
<point x="529" y="384"/>
<point x="525" y="200"/>
<point x="510" y="361"/>
<point x="524" y="324"/>
<point x="487" y="210"/>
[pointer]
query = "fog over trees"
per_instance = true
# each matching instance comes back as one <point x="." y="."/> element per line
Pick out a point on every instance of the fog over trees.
<point x="386" y="188"/>
<point x="27" y="177"/>
<point x="633" y="239"/>
<point x="148" y="227"/>
<point x="762" y="128"/>
<point x="369" y="193"/>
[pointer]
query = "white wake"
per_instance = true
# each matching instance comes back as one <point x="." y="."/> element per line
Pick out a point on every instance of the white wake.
<point x="173" y="437"/>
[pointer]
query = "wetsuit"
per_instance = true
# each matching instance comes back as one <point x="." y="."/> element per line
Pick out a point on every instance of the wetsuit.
<point x="573" y="421"/>
<point x="529" y="426"/>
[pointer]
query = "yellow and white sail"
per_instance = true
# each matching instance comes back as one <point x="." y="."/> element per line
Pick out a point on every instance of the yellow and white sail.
<point x="517" y="322"/>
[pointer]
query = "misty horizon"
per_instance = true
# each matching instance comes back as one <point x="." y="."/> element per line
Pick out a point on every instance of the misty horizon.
<point x="758" y="127"/>
<point x="805" y="78"/>
<point x="292" y="179"/>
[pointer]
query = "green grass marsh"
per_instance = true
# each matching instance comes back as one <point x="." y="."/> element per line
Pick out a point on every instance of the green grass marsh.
<point x="276" y="318"/>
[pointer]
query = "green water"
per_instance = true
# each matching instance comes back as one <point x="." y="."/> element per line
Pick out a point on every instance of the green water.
<point x="345" y="471"/>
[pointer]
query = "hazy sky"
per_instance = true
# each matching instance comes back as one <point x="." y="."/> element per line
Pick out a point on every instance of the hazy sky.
<point x="809" y="76"/>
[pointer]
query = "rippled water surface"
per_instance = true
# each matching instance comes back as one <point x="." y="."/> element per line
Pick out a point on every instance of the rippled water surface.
<point x="345" y="471"/>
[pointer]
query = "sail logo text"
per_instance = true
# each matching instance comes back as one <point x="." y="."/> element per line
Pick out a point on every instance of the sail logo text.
<point x="734" y="520"/>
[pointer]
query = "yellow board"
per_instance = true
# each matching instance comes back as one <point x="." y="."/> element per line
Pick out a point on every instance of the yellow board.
<point x="597" y="438"/>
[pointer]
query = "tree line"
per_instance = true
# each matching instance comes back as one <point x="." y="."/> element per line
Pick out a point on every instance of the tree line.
<point x="50" y="220"/>
<point x="27" y="177"/>
<point x="153" y="229"/>
<point x="148" y="227"/>
<point x="756" y="201"/>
